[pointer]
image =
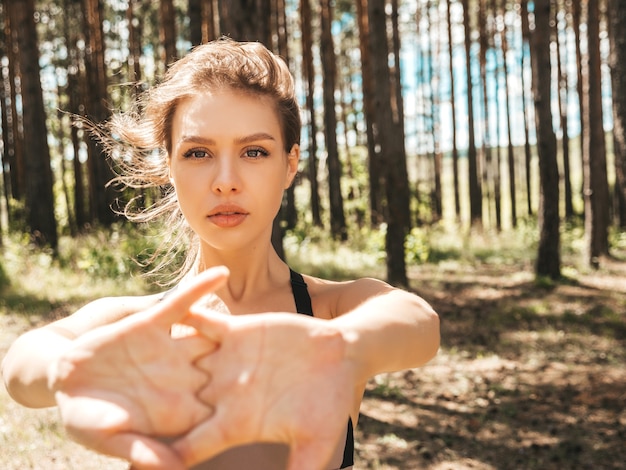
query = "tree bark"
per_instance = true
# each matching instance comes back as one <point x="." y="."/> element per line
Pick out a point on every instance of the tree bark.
<point x="562" y="90"/>
<point x="525" y="108"/>
<point x="246" y="20"/>
<point x="548" y="261"/>
<point x="510" y="149"/>
<point x="102" y="197"/>
<point x="194" y="12"/>
<point x="392" y="146"/>
<point x="455" y="150"/>
<point x="39" y="197"/>
<point x="576" y="20"/>
<point x="594" y="157"/>
<point x="167" y="31"/>
<point x="309" y="78"/>
<point x="617" y="21"/>
<point x="338" y="227"/>
<point x="475" y="191"/>
<point x="488" y="170"/>
<point x="376" y="175"/>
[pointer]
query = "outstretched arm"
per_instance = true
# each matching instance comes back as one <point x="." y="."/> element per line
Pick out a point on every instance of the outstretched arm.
<point x="120" y="385"/>
<point x="386" y="329"/>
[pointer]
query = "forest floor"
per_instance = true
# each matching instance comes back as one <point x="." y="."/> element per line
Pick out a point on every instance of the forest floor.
<point x="529" y="376"/>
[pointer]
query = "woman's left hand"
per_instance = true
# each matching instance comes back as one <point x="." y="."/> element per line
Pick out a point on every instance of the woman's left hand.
<point x="276" y="377"/>
<point x="122" y="386"/>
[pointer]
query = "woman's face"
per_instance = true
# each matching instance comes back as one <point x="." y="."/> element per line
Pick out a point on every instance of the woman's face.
<point x="229" y="167"/>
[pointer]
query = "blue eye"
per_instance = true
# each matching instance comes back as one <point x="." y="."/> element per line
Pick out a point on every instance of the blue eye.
<point x="196" y="154"/>
<point x="256" y="152"/>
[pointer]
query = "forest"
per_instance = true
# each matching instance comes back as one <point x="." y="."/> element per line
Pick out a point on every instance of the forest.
<point x="483" y="113"/>
<point x="473" y="151"/>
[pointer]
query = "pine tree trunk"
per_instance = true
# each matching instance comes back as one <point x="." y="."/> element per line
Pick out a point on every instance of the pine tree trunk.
<point x="617" y="19"/>
<point x="510" y="149"/>
<point x="548" y="261"/>
<point x="562" y="96"/>
<point x="246" y="20"/>
<point x="596" y="181"/>
<point x="39" y="197"/>
<point x="376" y="175"/>
<point x="475" y="191"/>
<point x="102" y="197"/>
<point x="392" y="145"/>
<point x="455" y="150"/>
<point x="527" y="149"/>
<point x="167" y="31"/>
<point x="338" y="227"/>
<point x="309" y="78"/>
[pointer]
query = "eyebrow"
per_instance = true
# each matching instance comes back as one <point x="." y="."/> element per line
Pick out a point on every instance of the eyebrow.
<point x="239" y="140"/>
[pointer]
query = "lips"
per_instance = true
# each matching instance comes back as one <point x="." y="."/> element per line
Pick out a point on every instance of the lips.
<point x="227" y="216"/>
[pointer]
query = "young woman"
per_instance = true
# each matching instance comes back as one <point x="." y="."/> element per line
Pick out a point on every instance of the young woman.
<point x="170" y="380"/>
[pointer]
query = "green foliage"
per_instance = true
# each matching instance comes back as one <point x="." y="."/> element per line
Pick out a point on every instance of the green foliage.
<point x="111" y="253"/>
<point x="417" y="246"/>
<point x="311" y="249"/>
<point x="4" y="279"/>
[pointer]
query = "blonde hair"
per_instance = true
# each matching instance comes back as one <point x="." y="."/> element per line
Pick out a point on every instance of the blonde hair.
<point x="140" y="140"/>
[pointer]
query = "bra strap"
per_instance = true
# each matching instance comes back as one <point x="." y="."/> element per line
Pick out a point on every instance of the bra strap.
<point x="300" y="293"/>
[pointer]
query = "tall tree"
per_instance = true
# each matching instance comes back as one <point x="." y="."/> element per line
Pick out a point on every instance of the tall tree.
<point x="309" y="78"/>
<point x="525" y="109"/>
<point x="14" y="137"/>
<point x="338" y="227"/>
<point x="432" y="78"/>
<point x="8" y="149"/>
<point x="167" y="30"/>
<point x="392" y="146"/>
<point x="246" y="20"/>
<point x="201" y="15"/>
<point x="376" y="175"/>
<point x="135" y="29"/>
<point x="617" y="22"/>
<point x="488" y="170"/>
<point x="194" y="12"/>
<point x="497" y="176"/>
<point x="548" y="261"/>
<point x="102" y="196"/>
<point x="39" y="197"/>
<point x="594" y="153"/>
<point x="75" y="92"/>
<point x="455" y="149"/>
<point x="475" y="191"/>
<point x="290" y="212"/>
<point x="576" y="8"/>
<point x="502" y="27"/>
<point x="562" y="96"/>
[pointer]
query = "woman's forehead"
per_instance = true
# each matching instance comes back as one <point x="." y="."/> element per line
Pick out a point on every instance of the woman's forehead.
<point x="226" y="112"/>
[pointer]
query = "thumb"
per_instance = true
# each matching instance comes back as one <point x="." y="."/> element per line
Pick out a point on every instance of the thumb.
<point x="203" y="442"/>
<point x="175" y="307"/>
<point x="208" y="323"/>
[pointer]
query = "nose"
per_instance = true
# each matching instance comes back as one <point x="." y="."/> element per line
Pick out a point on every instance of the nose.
<point x="226" y="178"/>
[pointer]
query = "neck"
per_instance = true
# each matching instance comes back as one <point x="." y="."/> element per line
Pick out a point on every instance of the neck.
<point x="251" y="273"/>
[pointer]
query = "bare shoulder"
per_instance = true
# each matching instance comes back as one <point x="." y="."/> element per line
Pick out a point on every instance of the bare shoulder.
<point x="334" y="298"/>
<point x="104" y="311"/>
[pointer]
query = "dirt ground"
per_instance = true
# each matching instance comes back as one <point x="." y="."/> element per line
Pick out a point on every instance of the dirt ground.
<point x="528" y="377"/>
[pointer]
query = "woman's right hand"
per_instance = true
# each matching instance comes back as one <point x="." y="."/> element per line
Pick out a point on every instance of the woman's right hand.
<point x="121" y="386"/>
